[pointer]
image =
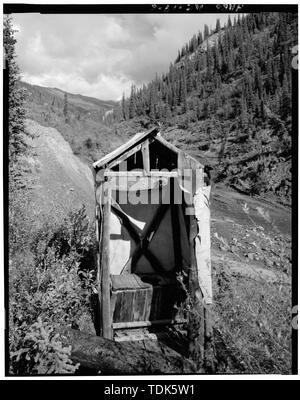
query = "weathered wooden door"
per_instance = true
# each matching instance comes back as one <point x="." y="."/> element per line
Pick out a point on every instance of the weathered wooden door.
<point x="148" y="245"/>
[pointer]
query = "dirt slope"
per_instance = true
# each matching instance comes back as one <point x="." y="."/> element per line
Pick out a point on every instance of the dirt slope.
<point x="62" y="181"/>
<point x="251" y="235"/>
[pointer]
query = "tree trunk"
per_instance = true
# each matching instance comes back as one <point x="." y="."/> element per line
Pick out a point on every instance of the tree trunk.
<point x="109" y="357"/>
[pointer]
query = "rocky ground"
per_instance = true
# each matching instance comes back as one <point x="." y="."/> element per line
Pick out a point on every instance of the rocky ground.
<point x="253" y="234"/>
<point x="62" y="182"/>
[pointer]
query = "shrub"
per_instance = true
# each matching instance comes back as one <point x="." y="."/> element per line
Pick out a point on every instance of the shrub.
<point x="42" y="352"/>
<point x="47" y="291"/>
<point x="253" y="319"/>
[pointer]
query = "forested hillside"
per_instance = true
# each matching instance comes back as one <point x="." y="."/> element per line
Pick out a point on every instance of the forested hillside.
<point x="227" y="100"/>
<point x="78" y="118"/>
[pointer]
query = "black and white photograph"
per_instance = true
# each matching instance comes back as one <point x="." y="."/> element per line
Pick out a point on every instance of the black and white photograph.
<point x="150" y="190"/>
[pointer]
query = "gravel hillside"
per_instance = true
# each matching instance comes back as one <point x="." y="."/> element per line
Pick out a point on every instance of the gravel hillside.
<point x="61" y="180"/>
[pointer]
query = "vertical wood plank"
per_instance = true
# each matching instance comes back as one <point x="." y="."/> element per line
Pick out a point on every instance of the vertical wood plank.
<point x="196" y="325"/>
<point x="146" y="156"/>
<point x="209" y="351"/>
<point x="105" y="259"/>
<point x="98" y="227"/>
<point x="113" y="302"/>
<point x="175" y="230"/>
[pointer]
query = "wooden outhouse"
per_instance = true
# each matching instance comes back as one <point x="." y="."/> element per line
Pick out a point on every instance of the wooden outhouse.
<point x="152" y="227"/>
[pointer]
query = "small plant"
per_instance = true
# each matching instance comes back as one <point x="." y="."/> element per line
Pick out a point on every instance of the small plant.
<point x="42" y="352"/>
<point x="252" y="325"/>
<point x="49" y="288"/>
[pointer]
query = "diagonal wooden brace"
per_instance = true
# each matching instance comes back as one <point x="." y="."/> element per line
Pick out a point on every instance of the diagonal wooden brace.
<point x="142" y="243"/>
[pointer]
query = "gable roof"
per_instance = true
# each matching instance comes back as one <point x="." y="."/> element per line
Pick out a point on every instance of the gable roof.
<point x="136" y="140"/>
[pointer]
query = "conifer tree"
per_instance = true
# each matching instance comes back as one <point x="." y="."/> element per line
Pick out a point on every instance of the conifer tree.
<point x="183" y="89"/>
<point x="16" y="95"/>
<point x="123" y="107"/>
<point x="206" y="31"/>
<point x="258" y="81"/>
<point x="66" y="108"/>
<point x="285" y="100"/>
<point x="132" y="104"/>
<point x="200" y="38"/>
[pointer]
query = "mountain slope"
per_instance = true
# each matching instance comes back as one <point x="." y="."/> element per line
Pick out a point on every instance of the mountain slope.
<point x="56" y="96"/>
<point x="62" y="182"/>
<point x="227" y="100"/>
<point x="78" y="118"/>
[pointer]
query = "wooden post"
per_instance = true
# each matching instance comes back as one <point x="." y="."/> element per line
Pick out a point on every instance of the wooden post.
<point x="196" y="325"/>
<point x="146" y="156"/>
<point x="96" y="297"/>
<point x="175" y="229"/>
<point x="105" y="271"/>
<point x="209" y="358"/>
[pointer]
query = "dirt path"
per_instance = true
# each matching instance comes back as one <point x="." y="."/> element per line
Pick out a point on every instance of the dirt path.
<point x="249" y="270"/>
<point x="229" y="204"/>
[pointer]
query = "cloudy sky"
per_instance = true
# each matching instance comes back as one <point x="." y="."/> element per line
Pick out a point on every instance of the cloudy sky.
<point x="101" y="55"/>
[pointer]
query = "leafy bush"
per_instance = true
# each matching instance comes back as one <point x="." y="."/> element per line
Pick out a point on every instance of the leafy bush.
<point x="48" y="290"/>
<point x="42" y="352"/>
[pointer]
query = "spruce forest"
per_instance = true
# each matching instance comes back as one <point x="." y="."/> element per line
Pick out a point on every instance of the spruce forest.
<point x="227" y="99"/>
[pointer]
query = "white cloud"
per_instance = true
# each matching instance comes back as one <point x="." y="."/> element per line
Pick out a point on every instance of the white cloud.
<point x="102" y="55"/>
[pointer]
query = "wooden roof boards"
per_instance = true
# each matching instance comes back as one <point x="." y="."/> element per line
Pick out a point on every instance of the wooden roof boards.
<point x="134" y="141"/>
<point x="135" y="144"/>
